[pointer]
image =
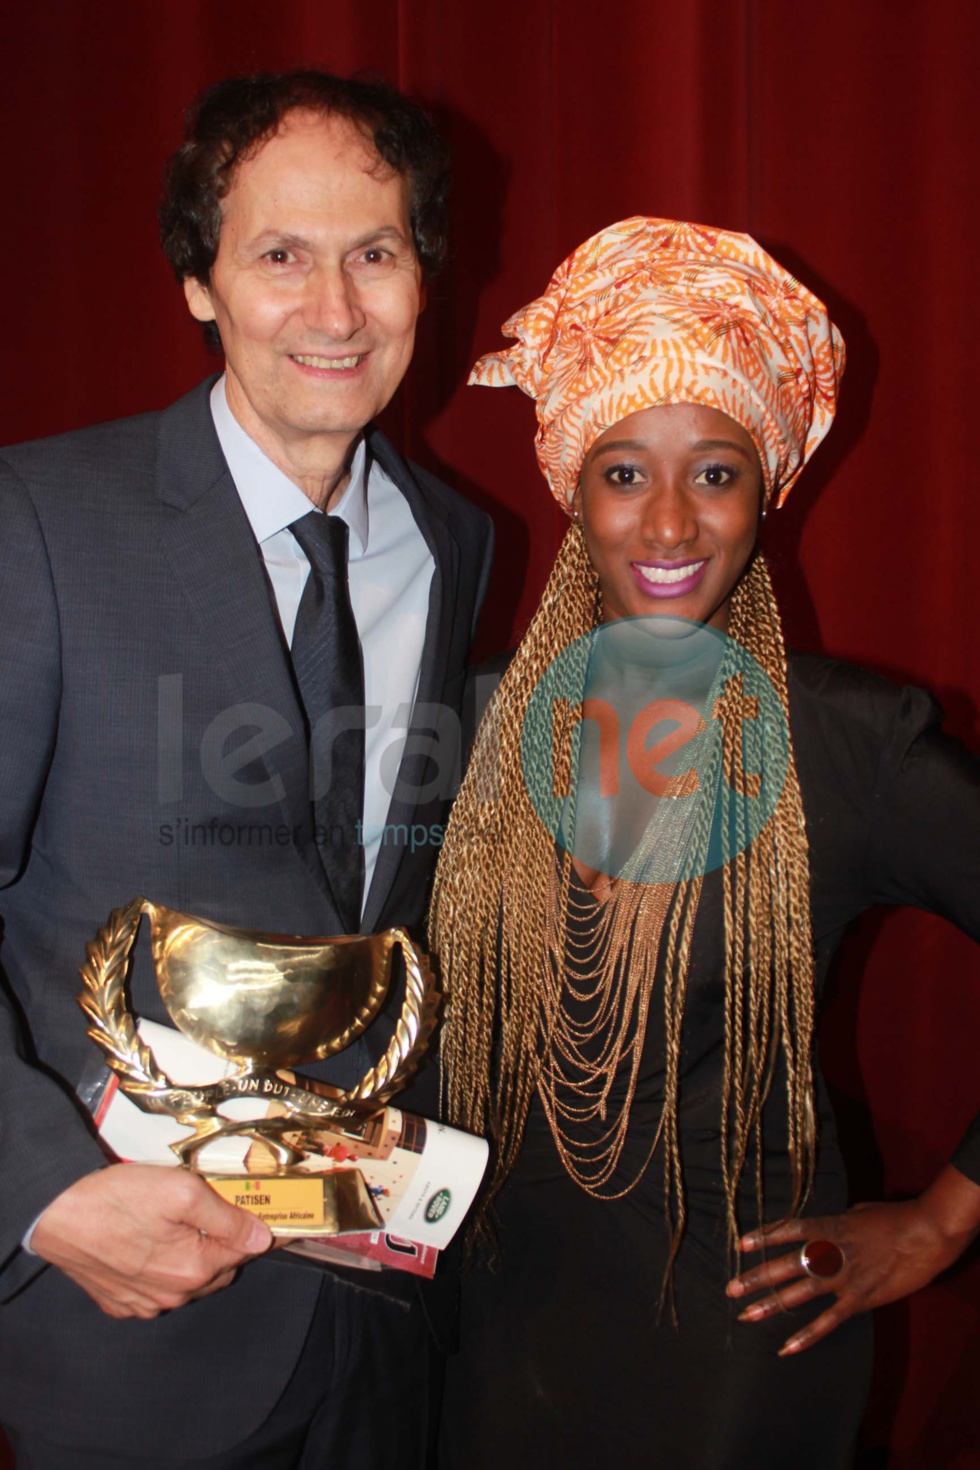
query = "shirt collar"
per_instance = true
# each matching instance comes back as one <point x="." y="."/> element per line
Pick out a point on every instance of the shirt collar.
<point x="272" y="500"/>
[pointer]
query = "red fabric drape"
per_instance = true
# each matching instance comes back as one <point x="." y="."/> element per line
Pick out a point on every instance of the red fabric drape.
<point x="842" y="136"/>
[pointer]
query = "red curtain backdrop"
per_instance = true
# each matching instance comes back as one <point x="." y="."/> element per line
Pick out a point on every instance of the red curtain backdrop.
<point x="843" y="136"/>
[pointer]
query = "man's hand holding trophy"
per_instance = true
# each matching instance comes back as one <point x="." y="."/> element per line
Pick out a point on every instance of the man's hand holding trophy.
<point x="264" y="1004"/>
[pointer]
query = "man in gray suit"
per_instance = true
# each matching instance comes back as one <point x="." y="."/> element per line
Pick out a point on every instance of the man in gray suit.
<point x="160" y="574"/>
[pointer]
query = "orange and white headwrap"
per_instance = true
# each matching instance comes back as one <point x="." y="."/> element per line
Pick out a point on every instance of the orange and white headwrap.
<point x="652" y="311"/>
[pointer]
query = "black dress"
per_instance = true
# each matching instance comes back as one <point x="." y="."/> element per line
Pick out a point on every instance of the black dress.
<point x="564" y="1360"/>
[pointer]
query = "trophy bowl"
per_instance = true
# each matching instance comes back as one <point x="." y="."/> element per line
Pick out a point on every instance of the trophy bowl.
<point x="265" y="1000"/>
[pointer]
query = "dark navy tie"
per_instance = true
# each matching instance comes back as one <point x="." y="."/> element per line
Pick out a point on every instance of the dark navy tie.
<point x="327" y="662"/>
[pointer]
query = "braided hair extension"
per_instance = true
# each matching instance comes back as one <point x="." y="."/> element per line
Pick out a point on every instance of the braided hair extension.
<point x="498" y="924"/>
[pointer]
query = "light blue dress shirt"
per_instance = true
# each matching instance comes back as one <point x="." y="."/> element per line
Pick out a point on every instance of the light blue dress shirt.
<point x="390" y="572"/>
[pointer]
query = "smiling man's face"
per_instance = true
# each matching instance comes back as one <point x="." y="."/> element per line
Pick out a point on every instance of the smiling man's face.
<point x="316" y="287"/>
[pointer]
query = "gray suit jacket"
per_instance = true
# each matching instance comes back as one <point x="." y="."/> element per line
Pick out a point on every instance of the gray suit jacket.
<point x="138" y="648"/>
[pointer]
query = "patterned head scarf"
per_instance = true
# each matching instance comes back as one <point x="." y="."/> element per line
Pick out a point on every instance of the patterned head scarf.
<point x="651" y="311"/>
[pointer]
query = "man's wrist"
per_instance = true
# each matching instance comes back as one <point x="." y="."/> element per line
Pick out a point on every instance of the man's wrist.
<point x="25" y="1243"/>
<point x="28" y="1236"/>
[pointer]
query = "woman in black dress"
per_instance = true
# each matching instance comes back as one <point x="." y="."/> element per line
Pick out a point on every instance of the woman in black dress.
<point x="666" y="826"/>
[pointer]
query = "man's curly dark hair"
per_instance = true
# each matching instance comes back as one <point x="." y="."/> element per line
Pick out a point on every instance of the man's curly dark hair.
<point x="231" y="120"/>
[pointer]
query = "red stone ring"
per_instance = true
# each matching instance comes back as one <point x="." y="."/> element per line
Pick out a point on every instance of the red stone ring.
<point x="822" y="1259"/>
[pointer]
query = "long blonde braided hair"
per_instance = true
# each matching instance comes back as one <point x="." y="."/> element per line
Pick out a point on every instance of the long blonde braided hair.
<point x="498" y="922"/>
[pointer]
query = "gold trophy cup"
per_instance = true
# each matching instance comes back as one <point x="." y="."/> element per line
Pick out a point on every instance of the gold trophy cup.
<point x="265" y="1003"/>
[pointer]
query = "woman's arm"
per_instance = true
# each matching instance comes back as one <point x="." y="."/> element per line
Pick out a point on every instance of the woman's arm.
<point x="923" y="849"/>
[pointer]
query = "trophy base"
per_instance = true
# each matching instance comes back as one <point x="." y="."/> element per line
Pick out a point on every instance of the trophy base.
<point x="303" y="1204"/>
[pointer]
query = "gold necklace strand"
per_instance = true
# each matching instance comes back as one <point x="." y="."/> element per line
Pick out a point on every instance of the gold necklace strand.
<point x="573" y="1085"/>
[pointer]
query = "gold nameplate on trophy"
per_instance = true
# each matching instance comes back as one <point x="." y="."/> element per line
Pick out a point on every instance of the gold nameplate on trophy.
<point x="264" y="1003"/>
<point x="293" y="1204"/>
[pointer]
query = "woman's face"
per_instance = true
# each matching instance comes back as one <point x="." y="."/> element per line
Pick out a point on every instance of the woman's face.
<point x="669" y="500"/>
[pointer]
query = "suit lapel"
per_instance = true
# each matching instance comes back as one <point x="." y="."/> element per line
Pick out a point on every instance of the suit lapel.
<point x="431" y="519"/>
<point x="219" y="566"/>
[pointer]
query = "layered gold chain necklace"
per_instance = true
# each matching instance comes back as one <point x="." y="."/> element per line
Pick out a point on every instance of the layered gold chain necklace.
<point x="594" y="1009"/>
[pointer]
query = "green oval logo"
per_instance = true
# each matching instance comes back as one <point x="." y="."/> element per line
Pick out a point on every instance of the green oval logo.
<point x="438" y="1205"/>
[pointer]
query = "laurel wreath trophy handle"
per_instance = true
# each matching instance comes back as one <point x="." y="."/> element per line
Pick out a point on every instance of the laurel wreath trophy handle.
<point x="344" y="977"/>
<point x="111" y="1026"/>
<point x="412" y="1032"/>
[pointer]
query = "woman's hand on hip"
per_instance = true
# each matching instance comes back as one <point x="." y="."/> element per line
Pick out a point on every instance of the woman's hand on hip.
<point x="888" y="1250"/>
